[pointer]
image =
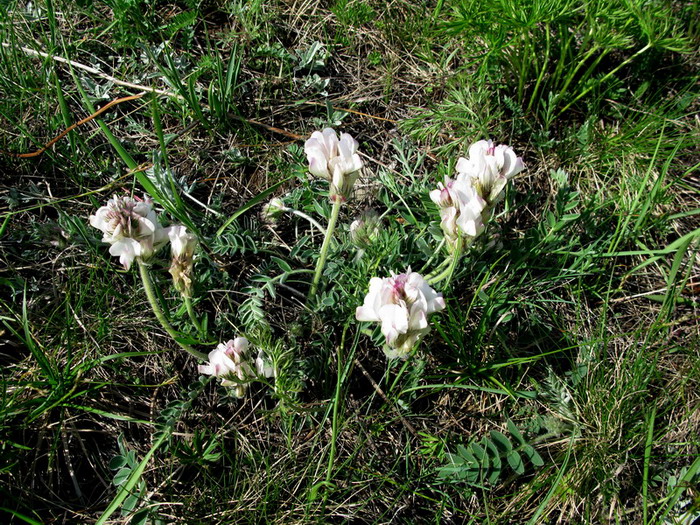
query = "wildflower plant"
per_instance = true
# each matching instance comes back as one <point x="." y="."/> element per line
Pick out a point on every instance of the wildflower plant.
<point x="337" y="161"/>
<point x="467" y="202"/>
<point x="395" y="344"/>
<point x="132" y="228"/>
<point x="401" y="303"/>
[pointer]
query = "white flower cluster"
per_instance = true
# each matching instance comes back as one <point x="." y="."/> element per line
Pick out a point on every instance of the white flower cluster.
<point x="461" y="207"/>
<point x="131" y="227"/>
<point x="467" y="201"/>
<point x="335" y="160"/>
<point x="402" y="304"/>
<point x="231" y="361"/>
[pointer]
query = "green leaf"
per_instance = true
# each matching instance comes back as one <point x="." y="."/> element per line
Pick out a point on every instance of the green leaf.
<point x="130" y="504"/>
<point x="493" y="476"/>
<point x="481" y="455"/>
<point x="515" y="462"/>
<point x="140" y="518"/>
<point x="24" y="518"/>
<point x="121" y="476"/>
<point x="516" y="433"/>
<point x="117" y="462"/>
<point x="502" y="442"/>
<point x="493" y="452"/>
<point x="533" y="456"/>
<point x="455" y="459"/>
<point x="449" y="472"/>
<point x="284" y="265"/>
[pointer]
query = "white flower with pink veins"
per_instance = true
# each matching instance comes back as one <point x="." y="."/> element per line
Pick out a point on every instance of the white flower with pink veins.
<point x="335" y="160"/>
<point x="232" y="363"/>
<point x="489" y="168"/>
<point x="229" y="361"/>
<point x="461" y="209"/>
<point x="402" y="304"/>
<point x="131" y="227"/>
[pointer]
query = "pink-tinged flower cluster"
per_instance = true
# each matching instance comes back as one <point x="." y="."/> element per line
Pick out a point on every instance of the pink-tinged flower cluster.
<point x="489" y="168"/>
<point x="461" y="209"/>
<point x="131" y="227"/>
<point x="231" y="361"/>
<point x="335" y="160"/>
<point x="466" y="202"/>
<point x="402" y="304"/>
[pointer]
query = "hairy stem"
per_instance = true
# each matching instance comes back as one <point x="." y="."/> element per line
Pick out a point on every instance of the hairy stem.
<point x="325" y="246"/>
<point x="148" y="287"/>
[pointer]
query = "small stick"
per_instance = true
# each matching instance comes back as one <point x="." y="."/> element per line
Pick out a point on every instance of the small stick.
<point x="73" y="126"/>
<point x="379" y="391"/>
<point x="94" y="71"/>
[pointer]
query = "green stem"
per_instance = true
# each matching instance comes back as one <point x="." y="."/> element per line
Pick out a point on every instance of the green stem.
<point x="148" y="288"/>
<point x="334" y="420"/>
<point x="193" y="316"/>
<point x="344" y="370"/>
<point x="450" y="270"/>
<point x="325" y="246"/>
<point x="440" y="268"/>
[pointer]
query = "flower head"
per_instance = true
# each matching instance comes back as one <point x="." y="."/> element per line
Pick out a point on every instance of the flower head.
<point x="461" y="209"/>
<point x="335" y="160"/>
<point x="232" y="362"/>
<point x="131" y="227"/>
<point x="489" y="168"/>
<point x="182" y="246"/>
<point x="402" y="304"/>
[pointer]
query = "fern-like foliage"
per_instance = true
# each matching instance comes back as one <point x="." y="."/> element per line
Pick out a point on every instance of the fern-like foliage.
<point x="180" y="21"/>
<point x="235" y="243"/>
<point x="484" y="461"/>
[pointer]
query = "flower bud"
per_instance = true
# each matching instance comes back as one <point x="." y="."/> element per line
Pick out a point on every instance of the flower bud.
<point x="273" y="210"/>
<point x="365" y="229"/>
<point x="263" y="366"/>
<point x="182" y="246"/>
